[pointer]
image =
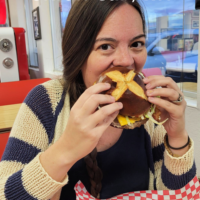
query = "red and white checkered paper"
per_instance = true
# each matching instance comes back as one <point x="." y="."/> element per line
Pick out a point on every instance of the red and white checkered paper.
<point x="189" y="192"/>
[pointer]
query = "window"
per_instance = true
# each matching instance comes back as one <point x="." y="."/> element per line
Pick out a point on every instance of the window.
<point x="172" y="42"/>
<point x="33" y="54"/>
<point x="59" y="11"/>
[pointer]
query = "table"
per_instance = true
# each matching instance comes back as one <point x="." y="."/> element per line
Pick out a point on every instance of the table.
<point x="8" y="114"/>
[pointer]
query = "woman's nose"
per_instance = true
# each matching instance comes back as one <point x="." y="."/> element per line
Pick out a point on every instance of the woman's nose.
<point x="123" y="57"/>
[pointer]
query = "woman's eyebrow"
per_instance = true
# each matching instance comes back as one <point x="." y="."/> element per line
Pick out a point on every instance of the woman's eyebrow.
<point x="105" y="39"/>
<point x="113" y="40"/>
<point x="139" y="36"/>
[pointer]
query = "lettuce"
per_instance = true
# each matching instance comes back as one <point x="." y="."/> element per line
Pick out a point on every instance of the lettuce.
<point x="150" y="113"/>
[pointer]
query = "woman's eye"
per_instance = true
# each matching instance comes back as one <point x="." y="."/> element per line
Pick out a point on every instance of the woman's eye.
<point x="137" y="44"/>
<point x="105" y="47"/>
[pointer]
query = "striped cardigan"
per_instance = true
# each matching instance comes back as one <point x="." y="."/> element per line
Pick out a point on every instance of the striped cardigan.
<point x="41" y="121"/>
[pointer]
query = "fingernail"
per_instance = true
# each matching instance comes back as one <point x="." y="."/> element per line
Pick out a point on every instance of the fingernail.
<point x="107" y="84"/>
<point x="148" y="85"/>
<point x="112" y="98"/>
<point x="151" y="98"/>
<point x="149" y="91"/>
<point x="145" y="79"/>
<point x="120" y="105"/>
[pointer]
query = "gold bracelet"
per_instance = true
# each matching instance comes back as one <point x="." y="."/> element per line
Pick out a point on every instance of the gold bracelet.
<point x="168" y="149"/>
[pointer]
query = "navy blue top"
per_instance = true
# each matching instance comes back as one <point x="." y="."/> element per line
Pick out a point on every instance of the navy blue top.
<point x="124" y="166"/>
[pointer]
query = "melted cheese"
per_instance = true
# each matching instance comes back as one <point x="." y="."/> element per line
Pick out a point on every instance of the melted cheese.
<point x="123" y="121"/>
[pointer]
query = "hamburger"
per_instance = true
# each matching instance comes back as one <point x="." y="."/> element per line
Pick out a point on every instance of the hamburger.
<point x="127" y="87"/>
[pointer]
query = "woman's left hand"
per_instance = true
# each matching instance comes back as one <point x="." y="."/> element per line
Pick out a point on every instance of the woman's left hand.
<point x="168" y="91"/>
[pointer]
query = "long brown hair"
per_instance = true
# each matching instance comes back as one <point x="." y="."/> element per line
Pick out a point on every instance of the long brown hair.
<point x="84" y="21"/>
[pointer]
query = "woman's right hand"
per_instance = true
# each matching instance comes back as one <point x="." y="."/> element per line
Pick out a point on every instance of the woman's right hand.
<point x="86" y="123"/>
<point x="85" y="126"/>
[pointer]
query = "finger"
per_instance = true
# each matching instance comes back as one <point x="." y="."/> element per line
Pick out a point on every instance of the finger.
<point x="157" y="81"/>
<point x="99" y="116"/>
<point x="170" y="107"/>
<point x="101" y="127"/>
<point x="146" y="80"/>
<point x="95" y="89"/>
<point x="94" y="101"/>
<point x="169" y="93"/>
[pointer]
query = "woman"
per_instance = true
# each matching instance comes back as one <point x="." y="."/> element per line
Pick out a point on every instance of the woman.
<point x="58" y="125"/>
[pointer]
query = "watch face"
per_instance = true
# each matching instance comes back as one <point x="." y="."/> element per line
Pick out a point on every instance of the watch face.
<point x="5" y="45"/>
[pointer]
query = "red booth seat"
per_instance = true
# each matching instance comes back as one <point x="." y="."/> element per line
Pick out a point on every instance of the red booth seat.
<point x="3" y="141"/>
<point x="15" y="93"/>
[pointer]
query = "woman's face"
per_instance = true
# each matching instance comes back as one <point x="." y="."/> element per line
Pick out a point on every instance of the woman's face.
<point x="120" y="42"/>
